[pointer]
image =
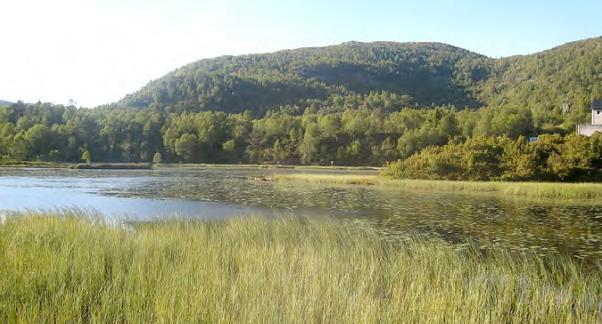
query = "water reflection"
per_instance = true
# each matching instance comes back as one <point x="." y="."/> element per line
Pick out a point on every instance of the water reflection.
<point x="573" y="229"/>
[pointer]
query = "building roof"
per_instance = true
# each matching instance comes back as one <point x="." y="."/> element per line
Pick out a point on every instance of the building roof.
<point x="597" y="104"/>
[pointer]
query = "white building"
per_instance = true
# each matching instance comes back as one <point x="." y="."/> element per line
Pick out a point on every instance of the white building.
<point x="596" y="125"/>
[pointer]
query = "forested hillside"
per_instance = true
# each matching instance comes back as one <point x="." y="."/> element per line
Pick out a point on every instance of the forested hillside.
<point x="350" y="104"/>
<point x="413" y="74"/>
<point x="569" y="74"/>
<point x="421" y="74"/>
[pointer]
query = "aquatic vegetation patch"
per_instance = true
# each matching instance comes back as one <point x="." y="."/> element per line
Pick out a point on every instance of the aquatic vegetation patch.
<point x="589" y="191"/>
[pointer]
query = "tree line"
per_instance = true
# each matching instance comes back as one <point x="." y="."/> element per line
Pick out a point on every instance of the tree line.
<point x="344" y="135"/>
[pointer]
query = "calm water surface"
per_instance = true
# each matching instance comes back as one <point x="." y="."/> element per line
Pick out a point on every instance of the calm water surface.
<point x="570" y="228"/>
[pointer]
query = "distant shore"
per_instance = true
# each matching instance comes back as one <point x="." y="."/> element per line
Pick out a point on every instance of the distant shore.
<point x="132" y="166"/>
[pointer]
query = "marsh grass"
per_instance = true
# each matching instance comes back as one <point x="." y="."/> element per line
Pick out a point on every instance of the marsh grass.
<point x="588" y="191"/>
<point x="284" y="270"/>
<point x="333" y="179"/>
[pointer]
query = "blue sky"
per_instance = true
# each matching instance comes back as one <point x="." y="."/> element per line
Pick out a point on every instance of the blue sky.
<point x="493" y="28"/>
<point x="96" y="51"/>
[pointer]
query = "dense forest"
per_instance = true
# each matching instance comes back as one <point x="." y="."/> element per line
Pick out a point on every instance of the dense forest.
<point x="350" y="104"/>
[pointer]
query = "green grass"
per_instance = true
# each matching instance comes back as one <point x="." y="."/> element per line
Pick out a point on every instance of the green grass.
<point x="332" y="179"/>
<point x="285" y="270"/>
<point x="588" y="191"/>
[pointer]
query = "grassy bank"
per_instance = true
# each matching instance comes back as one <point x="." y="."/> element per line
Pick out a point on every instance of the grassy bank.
<point x="589" y="191"/>
<point x="68" y="269"/>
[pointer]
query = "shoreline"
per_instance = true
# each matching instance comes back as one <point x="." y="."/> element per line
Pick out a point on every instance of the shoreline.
<point x="134" y="165"/>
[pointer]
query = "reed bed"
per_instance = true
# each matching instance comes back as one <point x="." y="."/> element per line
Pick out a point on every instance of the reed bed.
<point x="66" y="268"/>
<point x="586" y="191"/>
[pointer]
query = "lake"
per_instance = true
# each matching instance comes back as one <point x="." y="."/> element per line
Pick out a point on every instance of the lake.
<point x="488" y="220"/>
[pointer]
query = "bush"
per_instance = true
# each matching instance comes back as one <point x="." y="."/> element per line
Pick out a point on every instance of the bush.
<point x="550" y="158"/>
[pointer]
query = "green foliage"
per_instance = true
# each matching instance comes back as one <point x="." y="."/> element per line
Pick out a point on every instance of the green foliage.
<point x="157" y="158"/>
<point x="551" y="157"/>
<point x="187" y="146"/>
<point x="86" y="156"/>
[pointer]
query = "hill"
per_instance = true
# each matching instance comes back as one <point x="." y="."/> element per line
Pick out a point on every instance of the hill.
<point x="423" y="73"/>
<point x="5" y="103"/>
<point x="413" y="74"/>
<point x="569" y="74"/>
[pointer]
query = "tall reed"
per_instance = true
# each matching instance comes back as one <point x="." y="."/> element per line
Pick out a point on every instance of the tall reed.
<point x="284" y="270"/>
